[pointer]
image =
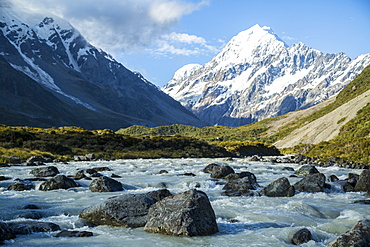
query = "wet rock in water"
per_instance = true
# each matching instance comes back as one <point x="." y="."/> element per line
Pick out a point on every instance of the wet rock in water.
<point x="21" y="185"/>
<point x="162" y="172"/>
<point x="345" y="186"/>
<point x="115" y="176"/>
<point x="3" y="178"/>
<point x="102" y="169"/>
<point x="79" y="175"/>
<point x="287" y="168"/>
<point x="78" y="234"/>
<point x="6" y="232"/>
<point x="36" y="161"/>
<point x="185" y="214"/>
<point x="91" y="171"/>
<point x="362" y="201"/>
<point x="49" y="171"/>
<point x="58" y="182"/>
<point x="128" y="210"/>
<point x="279" y="188"/>
<point x="209" y="168"/>
<point x="302" y="236"/>
<point x="30" y="215"/>
<point x="221" y="171"/>
<point x="311" y="183"/>
<point x="363" y="183"/>
<point x="28" y="227"/>
<point x="30" y="206"/>
<point x="159" y="194"/>
<point x="241" y="186"/>
<point x="333" y="178"/>
<point x="105" y="184"/>
<point x="306" y="170"/>
<point x="352" y="179"/>
<point x="234" y="176"/>
<point x="358" y="236"/>
<point x="189" y="174"/>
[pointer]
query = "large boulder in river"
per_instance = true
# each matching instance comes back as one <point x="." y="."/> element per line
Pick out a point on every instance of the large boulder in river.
<point x="221" y="171"/>
<point x="311" y="183"/>
<point x="306" y="170"/>
<point x="358" y="236"/>
<point x="58" y="182"/>
<point x="105" y="184"/>
<point x="209" y="167"/>
<point x="128" y="210"/>
<point x="49" y="171"/>
<point x="279" y="188"/>
<point x="241" y="186"/>
<point x="28" y="227"/>
<point x="302" y="236"/>
<point x="363" y="183"/>
<point x="6" y="232"/>
<point x="185" y="214"/>
<point x="21" y="185"/>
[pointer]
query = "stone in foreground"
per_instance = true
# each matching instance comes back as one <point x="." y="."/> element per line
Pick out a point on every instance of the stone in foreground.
<point x="185" y="214"/>
<point x="358" y="236"/>
<point x="128" y="210"/>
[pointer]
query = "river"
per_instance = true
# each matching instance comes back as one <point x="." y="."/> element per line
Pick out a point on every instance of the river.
<point x="242" y="221"/>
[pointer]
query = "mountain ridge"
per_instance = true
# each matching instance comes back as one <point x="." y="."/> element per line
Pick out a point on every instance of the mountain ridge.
<point x="55" y="55"/>
<point x="257" y="76"/>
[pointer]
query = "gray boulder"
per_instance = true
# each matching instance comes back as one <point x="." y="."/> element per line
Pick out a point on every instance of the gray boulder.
<point x="30" y="215"/>
<point x="159" y="194"/>
<point x="209" y="168"/>
<point x="49" y="171"/>
<point x="306" y="170"/>
<point x="28" y="227"/>
<point x="6" y="232"/>
<point x="87" y="157"/>
<point x="21" y="185"/>
<point x="311" y="183"/>
<point x="129" y="210"/>
<point x="363" y="183"/>
<point x="234" y="176"/>
<point x="302" y="236"/>
<point x="185" y="214"/>
<point x="358" y="236"/>
<point x="279" y="188"/>
<point x="58" y="182"/>
<point x="241" y="186"/>
<point x="221" y="171"/>
<point x="105" y="184"/>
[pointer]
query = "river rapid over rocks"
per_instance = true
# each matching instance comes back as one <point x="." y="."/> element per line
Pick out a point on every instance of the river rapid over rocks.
<point x="252" y="219"/>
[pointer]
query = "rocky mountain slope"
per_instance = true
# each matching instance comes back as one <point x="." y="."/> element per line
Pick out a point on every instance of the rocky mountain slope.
<point x="257" y="76"/>
<point x="52" y="76"/>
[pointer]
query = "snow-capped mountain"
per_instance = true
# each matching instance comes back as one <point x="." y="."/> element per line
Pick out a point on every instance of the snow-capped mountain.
<point x="92" y="88"/>
<point x="256" y="76"/>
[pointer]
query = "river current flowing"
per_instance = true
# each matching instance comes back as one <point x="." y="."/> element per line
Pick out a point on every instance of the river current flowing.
<point x="242" y="221"/>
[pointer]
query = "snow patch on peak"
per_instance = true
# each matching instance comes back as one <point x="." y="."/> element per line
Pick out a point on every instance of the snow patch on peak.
<point x="186" y="71"/>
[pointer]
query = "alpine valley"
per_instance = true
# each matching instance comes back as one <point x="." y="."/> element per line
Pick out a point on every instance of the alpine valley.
<point x="51" y="76"/>
<point x="257" y="76"/>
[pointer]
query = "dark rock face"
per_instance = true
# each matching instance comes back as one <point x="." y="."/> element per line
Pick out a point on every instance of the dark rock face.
<point x="363" y="183"/>
<point x="129" y="210"/>
<point x="49" y="171"/>
<point x="30" y="215"/>
<point x="311" y="183"/>
<point x="105" y="184"/>
<point x="6" y="232"/>
<point x="302" y="236"/>
<point x="78" y="234"/>
<point x="184" y="214"/>
<point x="305" y="170"/>
<point x="209" y="167"/>
<point x="221" y="171"/>
<point x="21" y="185"/>
<point x="159" y="194"/>
<point x="87" y="157"/>
<point x="234" y="176"/>
<point x="58" y="182"/>
<point x="279" y="188"/>
<point x="242" y="186"/>
<point x="358" y="236"/>
<point x="28" y="227"/>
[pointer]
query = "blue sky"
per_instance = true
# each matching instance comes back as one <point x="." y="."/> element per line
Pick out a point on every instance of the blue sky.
<point x="157" y="37"/>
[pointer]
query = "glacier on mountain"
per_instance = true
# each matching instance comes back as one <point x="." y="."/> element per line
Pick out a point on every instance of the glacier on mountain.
<point x="256" y="76"/>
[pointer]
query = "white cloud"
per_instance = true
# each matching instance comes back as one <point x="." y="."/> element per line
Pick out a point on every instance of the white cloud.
<point x="120" y="25"/>
<point x="184" y="38"/>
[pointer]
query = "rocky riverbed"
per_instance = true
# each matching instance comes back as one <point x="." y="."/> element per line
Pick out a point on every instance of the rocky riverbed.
<point x="219" y="202"/>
